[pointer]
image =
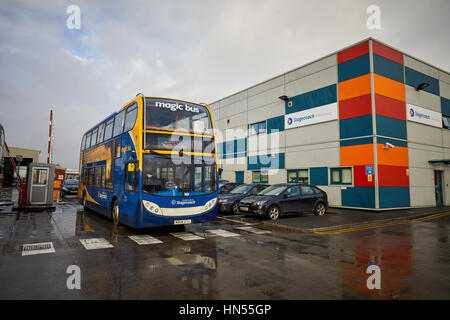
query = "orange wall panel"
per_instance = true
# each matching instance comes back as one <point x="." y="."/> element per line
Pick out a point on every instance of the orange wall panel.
<point x="389" y="88"/>
<point x="354" y="87"/>
<point x="397" y="156"/>
<point x="357" y="155"/>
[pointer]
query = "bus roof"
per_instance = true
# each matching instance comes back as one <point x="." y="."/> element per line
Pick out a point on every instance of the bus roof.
<point x="133" y="100"/>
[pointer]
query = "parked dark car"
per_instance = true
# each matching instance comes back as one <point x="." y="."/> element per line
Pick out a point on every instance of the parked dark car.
<point x="285" y="199"/>
<point x="69" y="186"/>
<point x="227" y="186"/>
<point x="229" y="202"/>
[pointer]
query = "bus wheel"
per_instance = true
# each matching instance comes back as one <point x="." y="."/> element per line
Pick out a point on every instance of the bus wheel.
<point x="83" y="201"/>
<point x="115" y="212"/>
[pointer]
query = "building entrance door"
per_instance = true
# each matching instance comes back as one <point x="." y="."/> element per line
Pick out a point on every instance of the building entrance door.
<point x="239" y="177"/>
<point x="438" y="188"/>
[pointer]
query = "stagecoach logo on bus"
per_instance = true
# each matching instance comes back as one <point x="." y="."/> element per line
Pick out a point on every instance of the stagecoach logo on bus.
<point x="176" y="106"/>
<point x="102" y="195"/>
<point x="182" y="202"/>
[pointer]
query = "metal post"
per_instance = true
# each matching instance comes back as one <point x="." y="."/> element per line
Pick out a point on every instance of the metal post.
<point x="49" y="156"/>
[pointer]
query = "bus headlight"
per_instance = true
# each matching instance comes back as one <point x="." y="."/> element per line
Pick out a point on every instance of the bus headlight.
<point x="152" y="207"/>
<point x="210" y="204"/>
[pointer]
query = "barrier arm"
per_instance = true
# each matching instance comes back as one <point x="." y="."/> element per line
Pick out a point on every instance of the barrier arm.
<point x="17" y="173"/>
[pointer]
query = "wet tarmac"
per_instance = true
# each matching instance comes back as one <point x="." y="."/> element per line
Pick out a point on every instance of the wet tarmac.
<point x="231" y="258"/>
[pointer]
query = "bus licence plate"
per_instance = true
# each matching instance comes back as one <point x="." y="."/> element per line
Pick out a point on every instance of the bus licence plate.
<point x="182" y="221"/>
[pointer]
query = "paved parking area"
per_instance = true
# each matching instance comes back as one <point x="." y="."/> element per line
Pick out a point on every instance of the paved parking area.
<point x="231" y="258"/>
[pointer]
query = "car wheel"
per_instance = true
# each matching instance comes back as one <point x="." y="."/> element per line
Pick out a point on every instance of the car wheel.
<point x="235" y="207"/>
<point x="273" y="213"/>
<point x="320" y="209"/>
<point x="115" y="212"/>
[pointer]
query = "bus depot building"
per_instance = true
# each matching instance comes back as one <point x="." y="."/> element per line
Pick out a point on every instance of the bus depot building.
<point x="369" y="125"/>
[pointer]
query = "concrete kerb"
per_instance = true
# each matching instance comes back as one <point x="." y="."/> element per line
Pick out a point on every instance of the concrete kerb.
<point x="346" y="226"/>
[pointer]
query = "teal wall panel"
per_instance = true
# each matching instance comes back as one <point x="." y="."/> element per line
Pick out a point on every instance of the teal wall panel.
<point x="363" y="197"/>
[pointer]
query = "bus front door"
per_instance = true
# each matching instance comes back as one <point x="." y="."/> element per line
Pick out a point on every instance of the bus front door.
<point x="131" y="189"/>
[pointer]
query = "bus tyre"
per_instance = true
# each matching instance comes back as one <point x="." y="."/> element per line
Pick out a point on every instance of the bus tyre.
<point x="83" y="201"/>
<point x="115" y="212"/>
<point x="235" y="207"/>
<point x="320" y="209"/>
<point x="273" y="212"/>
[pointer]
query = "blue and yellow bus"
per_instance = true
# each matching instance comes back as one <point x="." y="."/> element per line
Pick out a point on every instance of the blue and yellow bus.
<point x="152" y="163"/>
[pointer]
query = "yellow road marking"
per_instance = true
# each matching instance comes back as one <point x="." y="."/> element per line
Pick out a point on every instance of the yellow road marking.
<point x="387" y="224"/>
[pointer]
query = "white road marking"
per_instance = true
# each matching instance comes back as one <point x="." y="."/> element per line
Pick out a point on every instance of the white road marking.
<point x="144" y="239"/>
<point x="253" y="230"/>
<point x="237" y="221"/>
<point x="186" y="236"/>
<point x="223" y="233"/>
<point x="96" y="243"/>
<point x="43" y="247"/>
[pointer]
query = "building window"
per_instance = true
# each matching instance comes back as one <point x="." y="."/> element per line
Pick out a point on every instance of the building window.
<point x="258" y="128"/>
<point x="341" y="176"/>
<point x="446" y="122"/>
<point x="298" y="176"/>
<point x="260" y="177"/>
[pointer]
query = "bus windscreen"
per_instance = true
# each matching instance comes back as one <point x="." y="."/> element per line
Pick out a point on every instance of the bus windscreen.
<point x="172" y="115"/>
<point x="191" y="176"/>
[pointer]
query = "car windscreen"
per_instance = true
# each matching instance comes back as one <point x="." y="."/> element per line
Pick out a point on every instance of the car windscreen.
<point x="228" y="187"/>
<point x="241" y="189"/>
<point x="71" y="182"/>
<point x="272" y="191"/>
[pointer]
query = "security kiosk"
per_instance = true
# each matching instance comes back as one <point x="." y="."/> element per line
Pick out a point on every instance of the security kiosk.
<point x="41" y="177"/>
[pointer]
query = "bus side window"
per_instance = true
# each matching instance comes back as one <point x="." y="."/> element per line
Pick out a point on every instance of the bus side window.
<point x="131" y="176"/>
<point x="103" y="177"/>
<point x="98" y="173"/>
<point x="117" y="148"/>
<point x="91" y="176"/>
<point x="130" y="118"/>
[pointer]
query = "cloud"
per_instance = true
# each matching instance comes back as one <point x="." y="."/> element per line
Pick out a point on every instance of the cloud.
<point x="195" y="50"/>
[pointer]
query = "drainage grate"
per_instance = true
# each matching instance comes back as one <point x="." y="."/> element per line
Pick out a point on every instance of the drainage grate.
<point x="37" y="248"/>
<point x="24" y="217"/>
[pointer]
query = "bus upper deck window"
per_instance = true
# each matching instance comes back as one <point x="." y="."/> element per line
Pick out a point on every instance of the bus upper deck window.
<point x="130" y="118"/>
<point x="101" y="131"/>
<point x="118" y="123"/>
<point x="109" y="129"/>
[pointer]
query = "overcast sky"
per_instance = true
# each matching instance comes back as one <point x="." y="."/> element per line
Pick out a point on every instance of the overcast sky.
<point x="195" y="50"/>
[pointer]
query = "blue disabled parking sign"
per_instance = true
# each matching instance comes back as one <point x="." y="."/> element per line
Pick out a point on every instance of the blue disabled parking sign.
<point x="369" y="169"/>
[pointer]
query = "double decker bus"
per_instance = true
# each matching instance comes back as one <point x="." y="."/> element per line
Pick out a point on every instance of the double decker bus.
<point x="152" y="163"/>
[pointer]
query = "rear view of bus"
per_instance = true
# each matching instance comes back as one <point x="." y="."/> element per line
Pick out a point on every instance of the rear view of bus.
<point x="179" y="168"/>
<point x="152" y="163"/>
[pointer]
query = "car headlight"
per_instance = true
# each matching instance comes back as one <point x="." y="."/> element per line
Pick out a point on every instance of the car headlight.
<point x="152" y="207"/>
<point x="223" y="200"/>
<point x="260" y="203"/>
<point x="64" y="188"/>
<point x="210" y="204"/>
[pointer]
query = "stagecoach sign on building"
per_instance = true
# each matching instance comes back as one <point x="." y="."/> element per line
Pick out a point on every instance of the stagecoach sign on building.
<point x="424" y="116"/>
<point x="311" y="116"/>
